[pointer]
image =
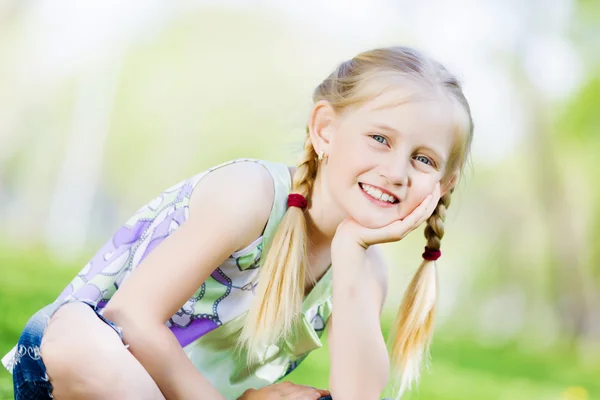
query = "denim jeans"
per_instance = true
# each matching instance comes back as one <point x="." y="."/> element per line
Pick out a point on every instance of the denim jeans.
<point x="30" y="379"/>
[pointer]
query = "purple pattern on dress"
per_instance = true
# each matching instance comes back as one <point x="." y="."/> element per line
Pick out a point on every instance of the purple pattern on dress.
<point x="196" y="329"/>
<point x="88" y="292"/>
<point x="185" y="191"/>
<point x="219" y="276"/>
<point x="128" y="235"/>
<point x="117" y="246"/>
<point x="179" y="216"/>
<point x="162" y="230"/>
<point x="153" y="244"/>
<point x="66" y="293"/>
<point x="159" y="234"/>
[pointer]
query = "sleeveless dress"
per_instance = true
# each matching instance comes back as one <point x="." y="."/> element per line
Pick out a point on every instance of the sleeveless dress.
<point x="208" y="325"/>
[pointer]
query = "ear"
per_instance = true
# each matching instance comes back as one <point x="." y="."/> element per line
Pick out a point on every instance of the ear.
<point x="321" y="126"/>
<point x="448" y="184"/>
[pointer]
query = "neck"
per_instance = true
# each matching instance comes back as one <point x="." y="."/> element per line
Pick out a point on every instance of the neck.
<point x="322" y="220"/>
<point x="323" y="217"/>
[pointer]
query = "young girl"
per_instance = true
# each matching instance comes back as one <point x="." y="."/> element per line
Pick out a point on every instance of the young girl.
<point x="221" y="285"/>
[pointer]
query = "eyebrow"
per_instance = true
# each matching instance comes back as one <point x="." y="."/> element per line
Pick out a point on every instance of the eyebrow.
<point x="387" y="128"/>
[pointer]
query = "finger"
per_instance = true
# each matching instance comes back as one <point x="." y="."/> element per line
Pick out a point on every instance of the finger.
<point x="436" y="195"/>
<point x="309" y="391"/>
<point x="287" y="388"/>
<point x="311" y="394"/>
<point x="397" y="230"/>
<point x="323" y="392"/>
<point x="435" y="199"/>
<point x="292" y="389"/>
<point x="422" y="211"/>
<point x="431" y="205"/>
<point x="300" y="394"/>
<point x="393" y="232"/>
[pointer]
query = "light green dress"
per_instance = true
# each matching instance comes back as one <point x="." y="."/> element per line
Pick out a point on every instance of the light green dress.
<point x="209" y="323"/>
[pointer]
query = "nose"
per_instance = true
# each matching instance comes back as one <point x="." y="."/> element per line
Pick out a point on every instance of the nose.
<point x="396" y="170"/>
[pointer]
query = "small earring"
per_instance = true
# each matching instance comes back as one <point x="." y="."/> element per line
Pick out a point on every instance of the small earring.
<point x="320" y="156"/>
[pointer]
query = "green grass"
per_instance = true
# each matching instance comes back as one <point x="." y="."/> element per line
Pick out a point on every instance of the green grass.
<point x="460" y="368"/>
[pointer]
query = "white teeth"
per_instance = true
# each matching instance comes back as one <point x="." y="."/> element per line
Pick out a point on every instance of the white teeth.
<point x="375" y="193"/>
<point x="378" y="194"/>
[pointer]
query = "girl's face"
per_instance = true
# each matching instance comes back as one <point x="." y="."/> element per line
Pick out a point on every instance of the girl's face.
<point x="386" y="156"/>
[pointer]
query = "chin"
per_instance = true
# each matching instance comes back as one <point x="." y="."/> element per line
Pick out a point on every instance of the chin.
<point x="370" y="220"/>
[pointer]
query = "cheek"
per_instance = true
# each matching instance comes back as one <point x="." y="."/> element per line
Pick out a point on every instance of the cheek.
<point x="346" y="161"/>
<point x="416" y="194"/>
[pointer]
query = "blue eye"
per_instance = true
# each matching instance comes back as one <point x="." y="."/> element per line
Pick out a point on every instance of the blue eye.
<point x="424" y="160"/>
<point x="380" y="139"/>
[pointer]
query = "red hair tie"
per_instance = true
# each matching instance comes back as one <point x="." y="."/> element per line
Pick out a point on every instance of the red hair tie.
<point x="296" y="200"/>
<point x="431" y="255"/>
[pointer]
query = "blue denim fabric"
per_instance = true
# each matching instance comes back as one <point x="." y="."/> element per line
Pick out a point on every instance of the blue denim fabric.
<point x="30" y="379"/>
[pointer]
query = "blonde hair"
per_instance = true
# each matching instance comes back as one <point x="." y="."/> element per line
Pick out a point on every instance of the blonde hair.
<point x="280" y="290"/>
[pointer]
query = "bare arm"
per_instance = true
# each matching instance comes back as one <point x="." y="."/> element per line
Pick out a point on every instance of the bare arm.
<point x="228" y="210"/>
<point x="359" y="358"/>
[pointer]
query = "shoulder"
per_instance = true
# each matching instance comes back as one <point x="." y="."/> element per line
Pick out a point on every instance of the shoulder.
<point x="238" y="175"/>
<point x="379" y="268"/>
<point x="239" y="194"/>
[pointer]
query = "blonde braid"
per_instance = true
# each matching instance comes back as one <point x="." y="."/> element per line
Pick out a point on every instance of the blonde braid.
<point x="416" y="315"/>
<point x="434" y="231"/>
<point x="280" y="290"/>
<point x="306" y="172"/>
<point x="303" y="181"/>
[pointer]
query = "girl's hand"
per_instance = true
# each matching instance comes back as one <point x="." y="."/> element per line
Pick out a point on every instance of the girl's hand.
<point x="397" y="230"/>
<point x="284" y="390"/>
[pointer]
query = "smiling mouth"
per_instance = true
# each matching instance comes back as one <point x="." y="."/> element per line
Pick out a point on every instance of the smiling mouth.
<point x="377" y="194"/>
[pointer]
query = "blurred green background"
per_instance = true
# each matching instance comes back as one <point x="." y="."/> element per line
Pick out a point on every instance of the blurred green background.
<point x="105" y="104"/>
